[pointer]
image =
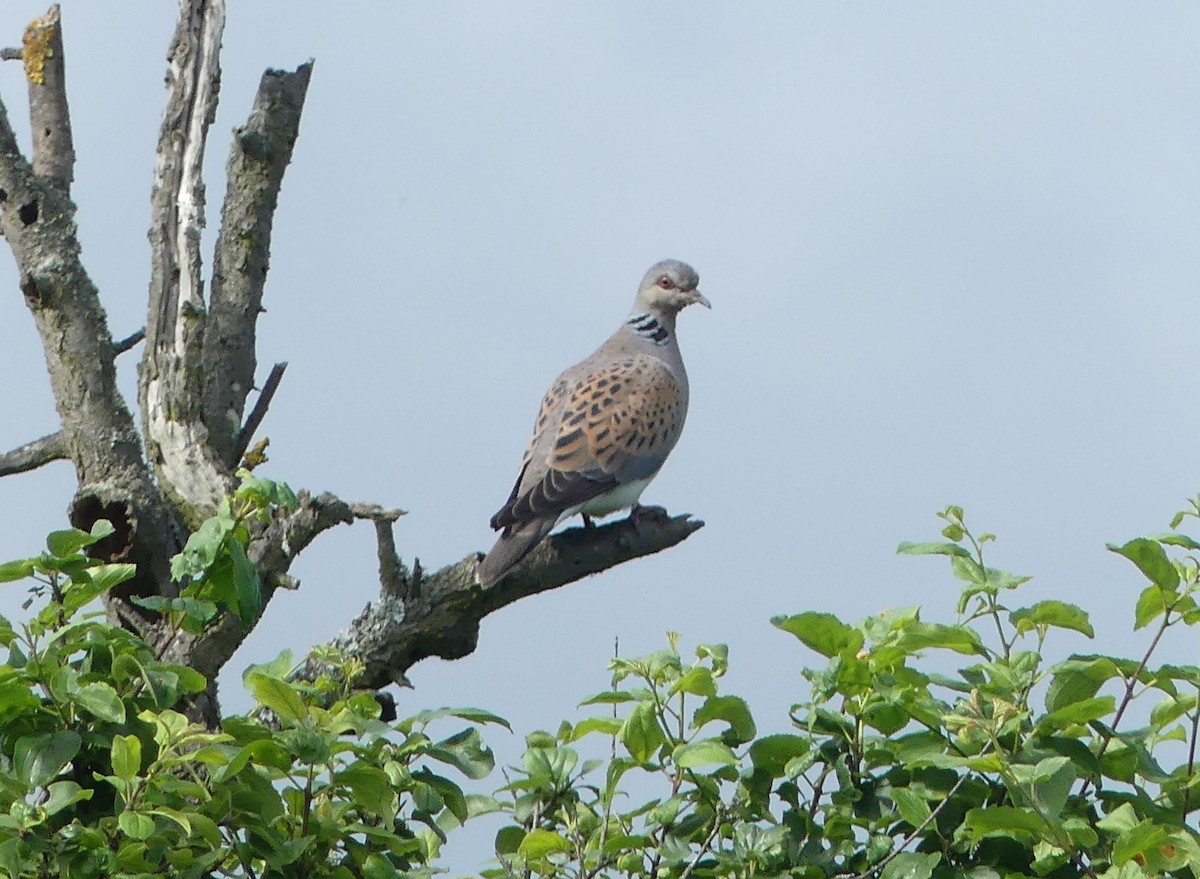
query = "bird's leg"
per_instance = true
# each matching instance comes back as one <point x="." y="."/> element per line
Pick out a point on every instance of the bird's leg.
<point x="637" y="511"/>
<point x="587" y="521"/>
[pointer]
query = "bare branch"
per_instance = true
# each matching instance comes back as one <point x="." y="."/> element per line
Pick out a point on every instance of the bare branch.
<point x="11" y="54"/>
<point x="259" y="412"/>
<point x="258" y="158"/>
<point x="35" y="454"/>
<point x="45" y="71"/>
<point x="393" y="576"/>
<point x="442" y="616"/>
<point x="171" y="377"/>
<point x="375" y="513"/>
<point x="128" y="342"/>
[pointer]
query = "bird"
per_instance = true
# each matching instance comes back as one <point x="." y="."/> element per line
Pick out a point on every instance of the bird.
<point x="605" y="426"/>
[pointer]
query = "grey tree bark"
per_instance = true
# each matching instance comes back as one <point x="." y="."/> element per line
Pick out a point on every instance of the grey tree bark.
<point x="198" y="369"/>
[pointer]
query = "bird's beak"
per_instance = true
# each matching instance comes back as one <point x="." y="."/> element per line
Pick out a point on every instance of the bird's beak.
<point x="699" y="298"/>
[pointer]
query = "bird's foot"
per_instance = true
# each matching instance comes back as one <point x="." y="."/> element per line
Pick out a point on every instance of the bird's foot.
<point x="637" y="512"/>
<point x="588" y="524"/>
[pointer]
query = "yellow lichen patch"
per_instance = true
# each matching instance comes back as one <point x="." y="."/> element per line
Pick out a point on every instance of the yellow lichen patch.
<point x="35" y="48"/>
<point x="257" y="455"/>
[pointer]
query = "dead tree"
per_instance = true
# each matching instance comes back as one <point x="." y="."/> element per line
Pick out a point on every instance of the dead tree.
<point x="198" y="369"/>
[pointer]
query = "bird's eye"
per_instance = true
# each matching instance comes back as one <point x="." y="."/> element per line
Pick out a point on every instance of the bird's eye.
<point x="666" y="283"/>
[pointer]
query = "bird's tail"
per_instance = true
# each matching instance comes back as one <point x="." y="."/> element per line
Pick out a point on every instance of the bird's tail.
<point x="512" y="546"/>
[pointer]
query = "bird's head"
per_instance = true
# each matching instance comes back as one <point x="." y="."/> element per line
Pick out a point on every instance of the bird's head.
<point x="670" y="286"/>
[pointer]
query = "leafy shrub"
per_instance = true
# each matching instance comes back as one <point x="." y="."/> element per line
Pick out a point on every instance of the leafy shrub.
<point x="1015" y="764"/>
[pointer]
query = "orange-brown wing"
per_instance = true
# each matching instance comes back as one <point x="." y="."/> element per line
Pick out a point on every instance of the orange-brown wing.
<point x="617" y="424"/>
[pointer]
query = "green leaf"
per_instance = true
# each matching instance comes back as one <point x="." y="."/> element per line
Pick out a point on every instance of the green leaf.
<point x="640" y="733"/>
<point x="1082" y="711"/>
<point x="1075" y="750"/>
<point x="1078" y="679"/>
<point x="1001" y="821"/>
<point x="1137" y="840"/>
<point x="911" y="865"/>
<point x="703" y="753"/>
<point x="734" y="711"/>
<point x="1151" y="604"/>
<point x="279" y="667"/>
<point x="950" y="549"/>
<point x="68" y="542"/>
<point x="136" y="826"/>
<point x="15" y="699"/>
<point x="18" y="570"/>
<point x="245" y="583"/>
<point x="264" y="491"/>
<point x="539" y="843"/>
<point x="63" y="794"/>
<point x="201" y="611"/>
<point x="718" y="654"/>
<point x="549" y="766"/>
<point x="475" y="715"/>
<point x="201" y="549"/>
<point x="1170" y="710"/>
<point x="102" y="701"/>
<point x="126" y="757"/>
<point x="968" y="570"/>
<point x="1059" y="614"/>
<point x="509" y="839"/>
<point x="371" y="788"/>
<point x="105" y="577"/>
<point x="456" y="802"/>
<point x="608" y="726"/>
<point x="961" y="639"/>
<point x="38" y="759"/>
<point x="278" y="695"/>
<point x="1047" y="784"/>
<point x="465" y="751"/>
<point x="10" y="856"/>
<point x="1119" y="820"/>
<point x="1176" y="539"/>
<point x="822" y="632"/>
<point x="772" y="753"/>
<point x="1151" y="559"/>
<point x="912" y="807"/>
<point x="697" y="680"/>
<point x="609" y="697"/>
<point x="181" y="819"/>
<point x="378" y="867"/>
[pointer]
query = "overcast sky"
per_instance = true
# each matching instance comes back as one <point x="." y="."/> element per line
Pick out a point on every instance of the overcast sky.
<point x="951" y="250"/>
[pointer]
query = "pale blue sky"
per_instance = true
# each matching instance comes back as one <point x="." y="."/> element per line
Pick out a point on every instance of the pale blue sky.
<point x="951" y="249"/>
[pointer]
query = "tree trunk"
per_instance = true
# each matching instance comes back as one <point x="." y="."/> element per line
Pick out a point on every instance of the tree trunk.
<point x="198" y="368"/>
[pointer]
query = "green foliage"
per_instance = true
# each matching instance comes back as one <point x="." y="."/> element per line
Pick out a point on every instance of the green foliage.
<point x="101" y="774"/>
<point x="974" y="746"/>
<point x="894" y="767"/>
<point x="216" y="573"/>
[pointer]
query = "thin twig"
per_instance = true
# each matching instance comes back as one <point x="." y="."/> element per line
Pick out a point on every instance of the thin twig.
<point x="11" y="54"/>
<point x="908" y="840"/>
<point x="704" y="846"/>
<point x="1191" y="762"/>
<point x="259" y="412"/>
<point x="128" y="342"/>
<point x="1127" y="699"/>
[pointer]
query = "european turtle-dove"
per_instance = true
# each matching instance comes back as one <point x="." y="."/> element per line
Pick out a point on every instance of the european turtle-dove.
<point x="605" y="426"/>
